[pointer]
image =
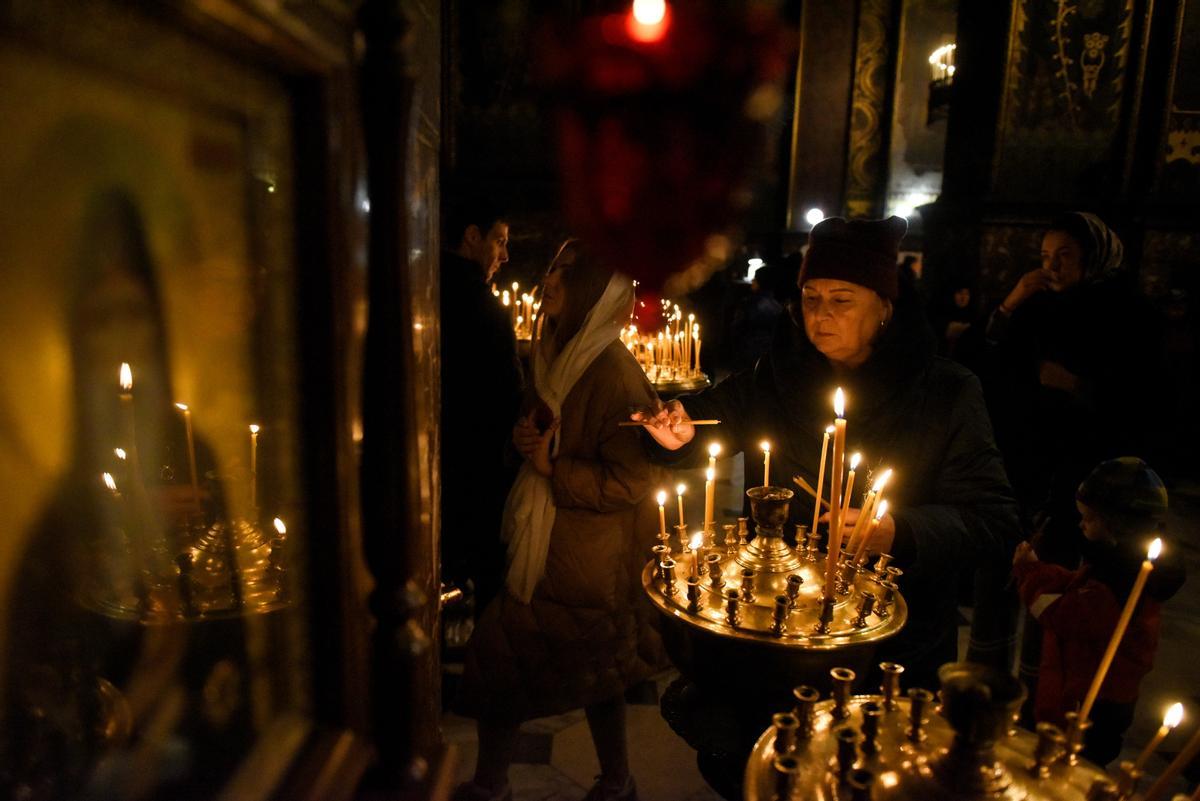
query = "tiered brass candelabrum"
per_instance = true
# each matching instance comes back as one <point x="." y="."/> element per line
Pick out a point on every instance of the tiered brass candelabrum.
<point x="760" y="605"/>
<point x="890" y="745"/>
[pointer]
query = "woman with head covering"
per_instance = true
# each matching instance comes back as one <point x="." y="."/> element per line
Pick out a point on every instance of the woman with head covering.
<point x="1077" y="362"/>
<point x="579" y="521"/>
<point x="860" y="326"/>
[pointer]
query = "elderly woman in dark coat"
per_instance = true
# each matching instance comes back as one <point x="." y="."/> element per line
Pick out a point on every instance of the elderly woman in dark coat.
<point x="861" y="327"/>
<point x="569" y="630"/>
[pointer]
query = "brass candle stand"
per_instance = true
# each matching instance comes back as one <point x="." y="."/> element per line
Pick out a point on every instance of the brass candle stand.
<point x="761" y="603"/>
<point x="889" y="746"/>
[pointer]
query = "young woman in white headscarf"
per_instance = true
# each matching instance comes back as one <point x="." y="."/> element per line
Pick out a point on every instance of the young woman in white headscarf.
<point x="570" y="630"/>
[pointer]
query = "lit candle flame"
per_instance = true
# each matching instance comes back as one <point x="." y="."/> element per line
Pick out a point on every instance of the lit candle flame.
<point x="516" y="286"/>
<point x="109" y="482"/>
<point x="1174" y="716"/>
<point x="854" y="460"/>
<point x="766" y="446"/>
<point x="882" y="481"/>
<point x="279" y="526"/>
<point x="120" y="452"/>
<point x="714" y="450"/>
<point x="696" y="541"/>
<point x="1154" y="550"/>
<point x="839" y="403"/>
<point x="662" y="497"/>
<point x="881" y="510"/>
<point x="126" y="377"/>
<point x="505" y="299"/>
<point x="183" y="407"/>
<point x="829" y="429"/>
<point x="254" y="429"/>
<point x="680" y="489"/>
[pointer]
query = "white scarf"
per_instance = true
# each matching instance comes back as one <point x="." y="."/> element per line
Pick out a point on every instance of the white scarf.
<point x="529" y="511"/>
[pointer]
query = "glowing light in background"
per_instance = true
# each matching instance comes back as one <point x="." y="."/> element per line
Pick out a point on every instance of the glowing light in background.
<point x="814" y="216"/>
<point x="648" y="21"/>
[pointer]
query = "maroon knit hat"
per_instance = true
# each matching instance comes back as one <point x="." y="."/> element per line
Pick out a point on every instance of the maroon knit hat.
<point x="862" y="252"/>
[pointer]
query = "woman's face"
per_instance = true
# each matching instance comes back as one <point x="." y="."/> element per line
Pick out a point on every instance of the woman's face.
<point x="554" y="294"/>
<point x="1062" y="257"/>
<point x="841" y="319"/>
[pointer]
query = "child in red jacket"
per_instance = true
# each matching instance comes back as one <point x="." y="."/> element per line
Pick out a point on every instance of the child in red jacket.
<point x="1122" y="505"/>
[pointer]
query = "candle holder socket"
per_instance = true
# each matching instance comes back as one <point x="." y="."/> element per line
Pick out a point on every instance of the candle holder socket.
<point x="823" y="623"/>
<point x="779" y="615"/>
<point x="919" y="699"/>
<point x="847" y="750"/>
<point x="668" y="576"/>
<point x="715" y="575"/>
<point x="861" y="781"/>
<point x="769" y="551"/>
<point x="1127" y="778"/>
<point x="812" y="548"/>
<point x="890" y="686"/>
<point x="881" y="565"/>
<point x="1049" y="749"/>
<point x="884" y="608"/>
<point x="1103" y="790"/>
<point x="743" y="530"/>
<point x="787" y="772"/>
<point x="731" y="608"/>
<point x="843" y="683"/>
<point x="786" y="726"/>
<point x="794" y="583"/>
<point x="731" y="540"/>
<point x="806" y="700"/>
<point x="693" y="593"/>
<point x="748" y="586"/>
<point x="1076" y="728"/>
<point x="872" y="711"/>
<point x="864" y="610"/>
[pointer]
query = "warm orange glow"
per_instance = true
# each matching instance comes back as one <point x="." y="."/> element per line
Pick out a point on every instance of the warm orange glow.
<point x="680" y="489"/>
<point x="662" y="497"/>
<point x="882" y="481"/>
<point x="881" y="510"/>
<point x="279" y="526"/>
<point x="649" y="12"/>
<point x="120" y="452"/>
<point x="109" y="482"/>
<point x="766" y="446"/>
<point x="1174" y="716"/>
<point x="839" y="403"/>
<point x="183" y="407"/>
<point x="126" y="377"/>
<point x="254" y="429"/>
<point x="854" y="460"/>
<point x="1154" y="550"/>
<point x="829" y="429"/>
<point x="714" y="449"/>
<point x="696" y="541"/>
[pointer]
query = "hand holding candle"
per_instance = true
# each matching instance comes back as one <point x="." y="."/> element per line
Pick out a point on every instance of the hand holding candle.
<point x="1139" y="584"/>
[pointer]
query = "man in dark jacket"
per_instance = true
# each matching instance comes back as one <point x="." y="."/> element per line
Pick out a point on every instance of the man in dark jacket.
<point x="479" y="361"/>
<point x="954" y="518"/>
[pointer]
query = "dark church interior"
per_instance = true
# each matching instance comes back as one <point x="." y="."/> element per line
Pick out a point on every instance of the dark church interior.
<point x="387" y="383"/>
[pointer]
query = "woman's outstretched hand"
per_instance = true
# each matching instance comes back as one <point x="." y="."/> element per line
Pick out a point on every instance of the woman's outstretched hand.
<point x="534" y="445"/>
<point x="668" y="423"/>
